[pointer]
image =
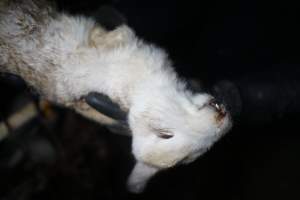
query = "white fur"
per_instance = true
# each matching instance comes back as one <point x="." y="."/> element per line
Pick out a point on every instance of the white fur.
<point x="84" y="57"/>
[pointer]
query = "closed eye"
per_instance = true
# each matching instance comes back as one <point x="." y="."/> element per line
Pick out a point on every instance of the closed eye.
<point x="162" y="133"/>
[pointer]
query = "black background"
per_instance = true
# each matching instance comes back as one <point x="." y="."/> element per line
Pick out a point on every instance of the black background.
<point x="208" y="40"/>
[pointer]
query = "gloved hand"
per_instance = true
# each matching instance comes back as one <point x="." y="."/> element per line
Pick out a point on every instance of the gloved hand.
<point x="109" y="109"/>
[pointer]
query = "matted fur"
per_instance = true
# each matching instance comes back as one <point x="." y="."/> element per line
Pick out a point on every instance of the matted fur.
<point x="65" y="57"/>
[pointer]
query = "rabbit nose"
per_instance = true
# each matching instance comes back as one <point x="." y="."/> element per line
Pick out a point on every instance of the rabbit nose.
<point x="219" y="108"/>
<point x="227" y="93"/>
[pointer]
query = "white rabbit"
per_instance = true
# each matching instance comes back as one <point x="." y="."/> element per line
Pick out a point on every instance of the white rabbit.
<point x="66" y="57"/>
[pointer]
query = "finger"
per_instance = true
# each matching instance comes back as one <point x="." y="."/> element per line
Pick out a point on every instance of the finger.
<point x="105" y="105"/>
<point x="120" y="128"/>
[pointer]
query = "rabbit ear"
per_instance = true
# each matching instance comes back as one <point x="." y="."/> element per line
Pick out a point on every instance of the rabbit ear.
<point x="100" y="38"/>
<point x="110" y="29"/>
<point x="109" y="18"/>
<point x="106" y="106"/>
<point x="140" y="176"/>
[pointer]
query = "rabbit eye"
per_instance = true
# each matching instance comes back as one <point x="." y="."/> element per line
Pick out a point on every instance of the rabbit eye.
<point x="213" y="103"/>
<point x="163" y="133"/>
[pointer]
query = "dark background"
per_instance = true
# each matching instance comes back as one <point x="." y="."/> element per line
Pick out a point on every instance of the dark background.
<point x="247" y="42"/>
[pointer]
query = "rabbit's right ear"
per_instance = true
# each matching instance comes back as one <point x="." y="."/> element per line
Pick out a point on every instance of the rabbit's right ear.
<point x="100" y="38"/>
<point x="110" y="29"/>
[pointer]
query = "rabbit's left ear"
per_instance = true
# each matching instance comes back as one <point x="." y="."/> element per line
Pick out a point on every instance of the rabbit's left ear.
<point x="139" y="177"/>
<point x="101" y="37"/>
<point x="110" y="29"/>
<point x="109" y="18"/>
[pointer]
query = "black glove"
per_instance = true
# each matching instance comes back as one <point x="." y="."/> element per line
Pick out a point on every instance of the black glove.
<point x="103" y="104"/>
